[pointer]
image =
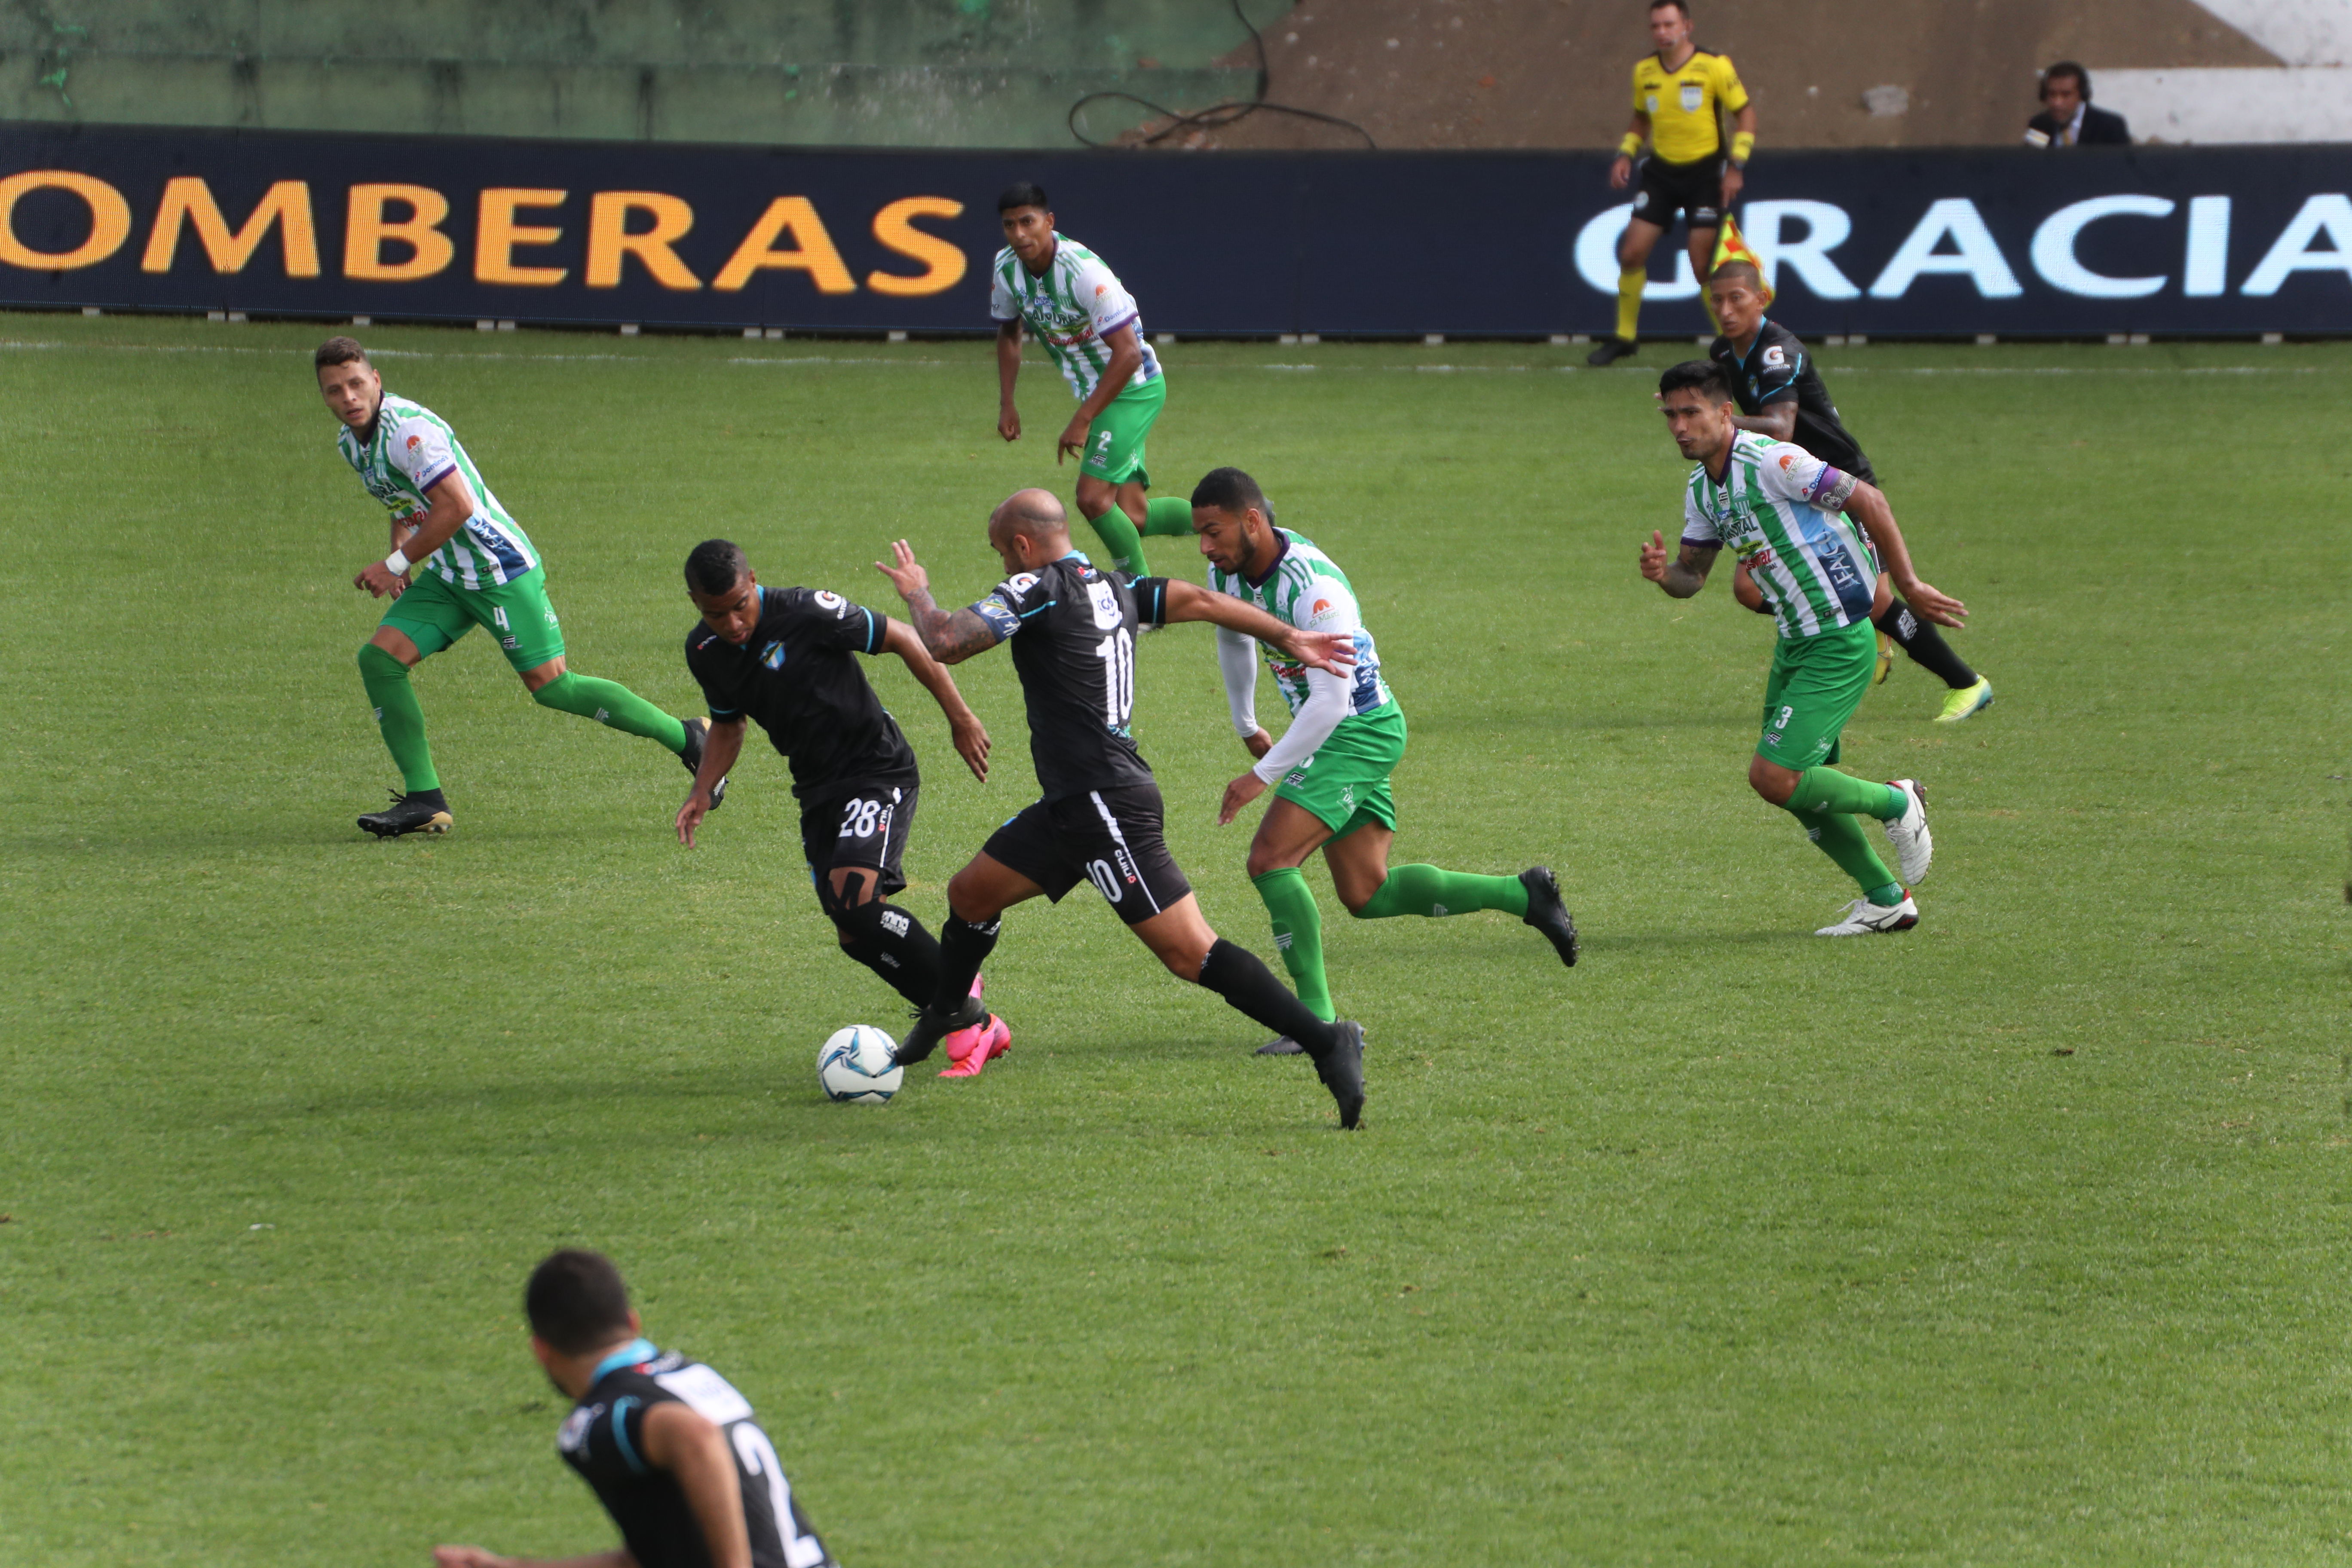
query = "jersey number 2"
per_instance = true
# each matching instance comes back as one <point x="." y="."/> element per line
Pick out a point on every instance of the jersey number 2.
<point x="758" y="1457"/>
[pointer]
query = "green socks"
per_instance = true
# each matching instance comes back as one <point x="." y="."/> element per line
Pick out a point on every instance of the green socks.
<point x="1826" y="790"/>
<point x="1841" y="839"/>
<point x="607" y="702"/>
<point x="1426" y="890"/>
<point x="1298" y="931"/>
<point x="1121" y="539"/>
<point x="1167" y="514"/>
<point x="399" y="717"/>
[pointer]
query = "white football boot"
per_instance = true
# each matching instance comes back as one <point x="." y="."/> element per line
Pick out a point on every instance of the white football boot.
<point x="1914" y="848"/>
<point x="1863" y="918"/>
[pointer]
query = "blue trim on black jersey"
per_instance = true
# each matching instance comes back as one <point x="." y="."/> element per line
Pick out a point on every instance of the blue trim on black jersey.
<point x="871" y="630"/>
<point x="630" y="1355"/>
<point x="621" y="1432"/>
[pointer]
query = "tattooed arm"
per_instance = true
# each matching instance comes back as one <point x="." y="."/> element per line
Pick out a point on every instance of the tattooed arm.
<point x="950" y="637"/>
<point x="1683" y="577"/>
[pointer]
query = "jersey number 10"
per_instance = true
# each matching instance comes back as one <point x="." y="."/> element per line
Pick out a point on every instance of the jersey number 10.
<point x="1118" y="653"/>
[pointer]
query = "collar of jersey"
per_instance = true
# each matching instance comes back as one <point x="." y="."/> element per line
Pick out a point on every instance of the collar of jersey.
<point x="1281" y="548"/>
<point x="1080" y="556"/>
<point x="630" y="1355"/>
<point x="1761" y="322"/>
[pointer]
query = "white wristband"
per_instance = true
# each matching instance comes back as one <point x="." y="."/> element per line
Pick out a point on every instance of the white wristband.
<point x="397" y="563"/>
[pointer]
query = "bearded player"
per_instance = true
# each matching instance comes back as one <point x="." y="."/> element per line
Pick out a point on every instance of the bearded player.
<point x="1329" y="771"/>
<point x="1784" y="512"/>
<point x="1781" y="394"/>
<point x="1099" y="816"/>
<point x="481" y="569"/>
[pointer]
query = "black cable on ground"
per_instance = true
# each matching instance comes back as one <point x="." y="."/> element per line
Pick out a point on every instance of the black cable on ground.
<point x="1216" y="116"/>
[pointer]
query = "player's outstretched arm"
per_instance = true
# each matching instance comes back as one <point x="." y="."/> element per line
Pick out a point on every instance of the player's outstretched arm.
<point x="950" y="637"/>
<point x="1680" y="578"/>
<point x="1332" y="651"/>
<point x="1868" y="506"/>
<point x="1778" y="421"/>
<point x="692" y="1448"/>
<point x="1008" y="371"/>
<point x="720" y="750"/>
<point x="452" y="503"/>
<point x="970" y="736"/>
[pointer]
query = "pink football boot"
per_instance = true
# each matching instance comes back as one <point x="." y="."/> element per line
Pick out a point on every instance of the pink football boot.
<point x="971" y="1050"/>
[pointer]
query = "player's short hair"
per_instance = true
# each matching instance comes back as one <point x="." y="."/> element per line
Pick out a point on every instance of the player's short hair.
<point x="715" y="565"/>
<point x="2067" y="67"/>
<point x="1736" y="268"/>
<point x="1023" y="193"/>
<point x="1670" y="4"/>
<point x="340" y="351"/>
<point x="576" y="1301"/>
<point x="1702" y="375"/>
<point x="1230" y="490"/>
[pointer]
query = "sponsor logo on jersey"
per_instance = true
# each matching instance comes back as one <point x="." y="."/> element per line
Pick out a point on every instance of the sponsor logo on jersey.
<point x="1786" y="460"/>
<point x="772" y="656"/>
<point x="894" y="923"/>
<point x="1321" y="606"/>
<point x="826" y="600"/>
<point x="415" y="442"/>
<point x="1020" y="582"/>
<point x="1649" y="102"/>
<point x="1774" y="355"/>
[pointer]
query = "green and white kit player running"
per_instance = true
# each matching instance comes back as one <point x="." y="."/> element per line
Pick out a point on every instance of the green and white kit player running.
<point x="1331" y="770"/>
<point x="1093" y="332"/>
<point x="480" y="570"/>
<point x="1783" y="512"/>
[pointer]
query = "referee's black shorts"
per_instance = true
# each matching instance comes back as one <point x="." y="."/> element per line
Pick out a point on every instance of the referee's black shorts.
<point x="1668" y="189"/>
<point x="1109" y="837"/>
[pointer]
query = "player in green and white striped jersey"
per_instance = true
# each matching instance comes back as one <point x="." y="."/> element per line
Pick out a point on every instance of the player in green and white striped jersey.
<point x="1330" y="769"/>
<point x="1092" y="331"/>
<point x="481" y="569"/>
<point x="1783" y="512"/>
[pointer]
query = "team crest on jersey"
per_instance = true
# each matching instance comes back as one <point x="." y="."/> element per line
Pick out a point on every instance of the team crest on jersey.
<point x="826" y="600"/>
<point x="574" y="1435"/>
<point x="1694" y="97"/>
<point x="772" y="656"/>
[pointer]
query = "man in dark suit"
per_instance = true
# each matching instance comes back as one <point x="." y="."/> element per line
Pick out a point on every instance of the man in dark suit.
<point x="2067" y="118"/>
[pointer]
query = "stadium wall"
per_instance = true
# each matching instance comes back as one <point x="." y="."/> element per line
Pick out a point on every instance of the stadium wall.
<point x="2171" y="241"/>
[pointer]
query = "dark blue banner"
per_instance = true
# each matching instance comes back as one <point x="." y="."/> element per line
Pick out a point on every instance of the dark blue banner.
<point x="2159" y="240"/>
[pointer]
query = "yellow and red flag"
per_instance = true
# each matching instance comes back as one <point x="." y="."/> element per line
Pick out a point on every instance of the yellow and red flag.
<point x="1730" y="244"/>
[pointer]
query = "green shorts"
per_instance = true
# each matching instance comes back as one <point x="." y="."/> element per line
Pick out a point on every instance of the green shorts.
<point x="1815" y="686"/>
<point x="1115" y="440"/>
<point x="434" y="614"/>
<point x="1345" y="784"/>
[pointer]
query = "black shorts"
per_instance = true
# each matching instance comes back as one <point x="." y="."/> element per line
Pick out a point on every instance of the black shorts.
<point x="866" y="829"/>
<point x="1671" y="188"/>
<point x="1111" y="837"/>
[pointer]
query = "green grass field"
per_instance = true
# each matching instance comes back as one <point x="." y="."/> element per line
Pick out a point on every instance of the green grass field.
<point x="2018" y="1238"/>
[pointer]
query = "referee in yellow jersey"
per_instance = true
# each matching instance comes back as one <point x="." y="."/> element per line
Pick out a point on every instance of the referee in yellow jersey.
<point x="1680" y="94"/>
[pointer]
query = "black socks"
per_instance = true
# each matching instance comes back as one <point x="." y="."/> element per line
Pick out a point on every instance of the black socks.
<point x="964" y="948"/>
<point x="892" y="942"/>
<point x="1925" y="646"/>
<point x="1249" y="987"/>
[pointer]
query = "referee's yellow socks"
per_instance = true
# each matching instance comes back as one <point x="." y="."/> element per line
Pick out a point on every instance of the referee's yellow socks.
<point x="1629" y="302"/>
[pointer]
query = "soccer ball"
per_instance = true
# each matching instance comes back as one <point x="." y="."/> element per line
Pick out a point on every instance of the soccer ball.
<point x="855" y="1067"/>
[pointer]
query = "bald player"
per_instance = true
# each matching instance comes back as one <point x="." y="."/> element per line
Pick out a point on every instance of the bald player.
<point x="1098" y="815"/>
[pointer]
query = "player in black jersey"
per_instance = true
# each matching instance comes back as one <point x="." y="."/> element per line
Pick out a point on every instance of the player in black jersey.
<point x="669" y="1447"/>
<point x="1781" y="394"/>
<point x="787" y="657"/>
<point x="1073" y="631"/>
